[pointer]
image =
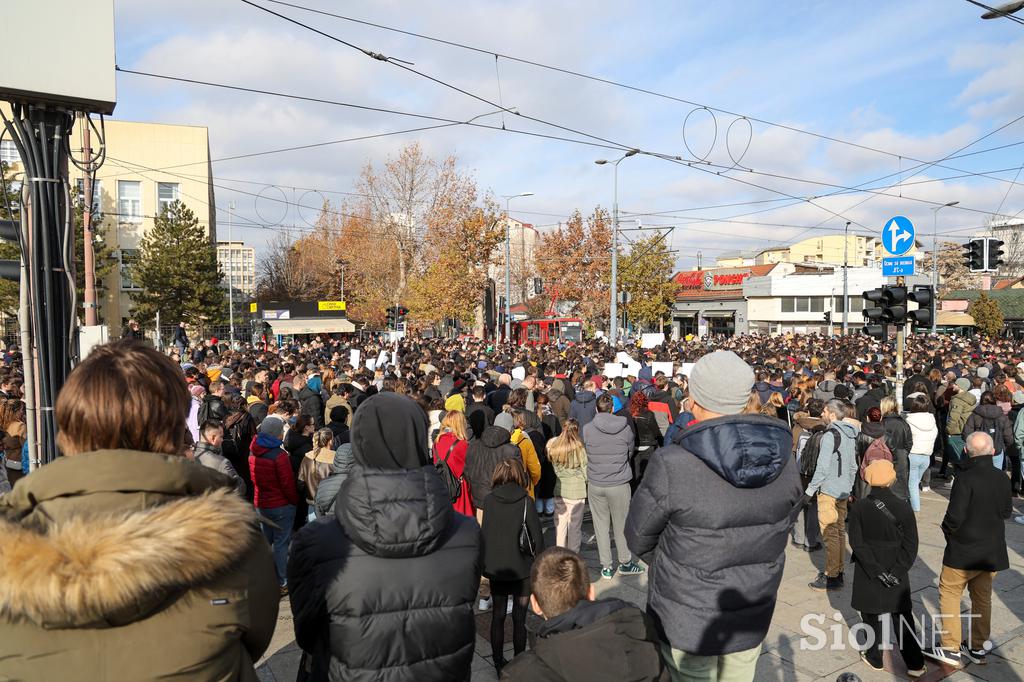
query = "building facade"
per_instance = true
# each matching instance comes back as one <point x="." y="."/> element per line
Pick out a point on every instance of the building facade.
<point x="523" y="242"/>
<point x="712" y="301"/>
<point x="147" y="166"/>
<point x="835" y="249"/>
<point x="238" y="263"/>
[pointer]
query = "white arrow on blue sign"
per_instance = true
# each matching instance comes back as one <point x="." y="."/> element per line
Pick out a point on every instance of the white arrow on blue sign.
<point x="898" y="235"/>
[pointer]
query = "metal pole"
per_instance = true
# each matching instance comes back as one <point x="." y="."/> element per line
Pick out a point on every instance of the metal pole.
<point x="508" y="280"/>
<point x="157" y="344"/>
<point x="901" y="336"/>
<point x="846" y="278"/>
<point x="88" y="257"/>
<point x="231" y="276"/>
<point x="28" y="352"/>
<point x="614" y="312"/>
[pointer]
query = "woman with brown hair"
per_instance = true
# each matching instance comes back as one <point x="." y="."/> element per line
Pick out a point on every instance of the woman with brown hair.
<point x="13" y="432"/>
<point x="124" y="532"/>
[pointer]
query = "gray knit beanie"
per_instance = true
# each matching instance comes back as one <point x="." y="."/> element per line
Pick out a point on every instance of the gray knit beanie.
<point x="504" y="420"/>
<point x="721" y="381"/>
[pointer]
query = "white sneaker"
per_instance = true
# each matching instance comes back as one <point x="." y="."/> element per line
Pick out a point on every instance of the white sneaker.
<point x="508" y="608"/>
<point x="1019" y="519"/>
<point x="484" y="605"/>
<point x="926" y="489"/>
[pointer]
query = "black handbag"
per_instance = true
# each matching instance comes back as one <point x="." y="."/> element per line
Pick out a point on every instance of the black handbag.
<point x="526" y="545"/>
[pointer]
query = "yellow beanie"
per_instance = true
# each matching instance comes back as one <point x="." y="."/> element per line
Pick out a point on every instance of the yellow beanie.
<point x="455" y="402"/>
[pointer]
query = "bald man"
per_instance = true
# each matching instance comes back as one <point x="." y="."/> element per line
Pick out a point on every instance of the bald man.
<point x="975" y="549"/>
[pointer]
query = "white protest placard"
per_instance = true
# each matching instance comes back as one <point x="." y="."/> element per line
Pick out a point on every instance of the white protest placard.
<point x="651" y="340"/>
<point x="665" y="367"/>
<point x="623" y="357"/>
<point x="353" y="357"/>
<point x="612" y="370"/>
<point x="382" y="358"/>
<point x="631" y="369"/>
<point x="371" y="364"/>
<point x="686" y="368"/>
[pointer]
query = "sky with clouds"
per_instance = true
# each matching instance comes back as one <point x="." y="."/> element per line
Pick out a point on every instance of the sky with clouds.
<point x="911" y="83"/>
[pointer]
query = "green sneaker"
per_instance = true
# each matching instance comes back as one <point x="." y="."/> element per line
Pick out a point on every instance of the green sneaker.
<point x="607" y="573"/>
<point x="632" y="568"/>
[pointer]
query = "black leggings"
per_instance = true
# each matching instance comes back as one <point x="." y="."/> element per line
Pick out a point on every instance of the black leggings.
<point x="519" y="607"/>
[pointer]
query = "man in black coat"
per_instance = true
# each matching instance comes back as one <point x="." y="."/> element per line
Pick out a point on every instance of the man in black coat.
<point x="312" y="405"/>
<point x="713" y="514"/>
<point x="478" y="414"/>
<point x="979" y="505"/>
<point x="384" y="589"/>
<point x="580" y="638"/>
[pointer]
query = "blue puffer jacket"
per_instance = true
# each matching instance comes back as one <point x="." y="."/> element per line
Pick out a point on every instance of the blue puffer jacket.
<point x="711" y="518"/>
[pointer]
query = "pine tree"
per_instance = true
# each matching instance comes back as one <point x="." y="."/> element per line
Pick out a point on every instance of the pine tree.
<point x="177" y="271"/>
<point x="988" y="317"/>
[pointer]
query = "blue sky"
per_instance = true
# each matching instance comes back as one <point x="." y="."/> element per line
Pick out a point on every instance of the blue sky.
<point x="915" y="79"/>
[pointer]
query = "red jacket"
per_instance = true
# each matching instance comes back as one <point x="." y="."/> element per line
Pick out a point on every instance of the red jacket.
<point x="457" y="463"/>
<point x="271" y="471"/>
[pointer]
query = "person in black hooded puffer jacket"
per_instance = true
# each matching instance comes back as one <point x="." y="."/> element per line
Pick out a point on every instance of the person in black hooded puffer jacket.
<point x="383" y="589"/>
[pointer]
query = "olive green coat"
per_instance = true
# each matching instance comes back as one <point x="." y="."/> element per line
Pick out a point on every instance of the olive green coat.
<point x="122" y="565"/>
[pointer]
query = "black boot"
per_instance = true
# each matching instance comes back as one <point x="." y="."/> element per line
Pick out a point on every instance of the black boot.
<point x="499" y="663"/>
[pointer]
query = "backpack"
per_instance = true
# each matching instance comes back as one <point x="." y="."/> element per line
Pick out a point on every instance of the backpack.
<point x="203" y="415"/>
<point x="451" y="481"/>
<point x="878" y="449"/>
<point x="809" y="453"/>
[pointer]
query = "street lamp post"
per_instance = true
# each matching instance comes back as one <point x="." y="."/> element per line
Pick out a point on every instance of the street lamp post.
<point x="508" y="274"/>
<point x="231" y="276"/>
<point x="846" y="279"/>
<point x="935" y="259"/>
<point x="614" y="312"/>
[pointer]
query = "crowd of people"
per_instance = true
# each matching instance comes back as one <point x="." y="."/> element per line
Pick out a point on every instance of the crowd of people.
<point x="392" y="491"/>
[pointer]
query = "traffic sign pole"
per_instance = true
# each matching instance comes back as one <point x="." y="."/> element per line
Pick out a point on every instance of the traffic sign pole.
<point x="901" y="340"/>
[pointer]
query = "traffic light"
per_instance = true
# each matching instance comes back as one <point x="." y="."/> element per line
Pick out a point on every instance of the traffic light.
<point x="10" y="269"/>
<point x="392" y="317"/>
<point x="402" y="312"/>
<point x="895" y="305"/>
<point x="923" y="317"/>
<point x="994" y="253"/>
<point x="538" y="286"/>
<point x="873" y="315"/>
<point x="828" y="318"/>
<point x="974" y="255"/>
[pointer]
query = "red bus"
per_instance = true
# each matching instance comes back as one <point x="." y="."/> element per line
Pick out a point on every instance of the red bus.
<point x="545" y="331"/>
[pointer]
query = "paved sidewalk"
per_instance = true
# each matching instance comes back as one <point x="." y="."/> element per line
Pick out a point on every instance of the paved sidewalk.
<point x="783" y="659"/>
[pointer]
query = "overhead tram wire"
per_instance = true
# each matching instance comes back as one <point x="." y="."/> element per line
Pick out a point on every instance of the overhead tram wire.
<point x="599" y="79"/>
<point x="542" y="135"/>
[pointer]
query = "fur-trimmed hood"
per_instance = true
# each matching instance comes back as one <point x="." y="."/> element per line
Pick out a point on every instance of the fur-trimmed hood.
<point x="72" y="557"/>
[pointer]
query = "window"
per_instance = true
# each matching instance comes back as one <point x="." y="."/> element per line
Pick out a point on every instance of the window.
<point x="129" y="257"/>
<point x="817" y="304"/>
<point x="166" y="194"/>
<point x="788" y="304"/>
<point x="856" y="304"/>
<point x="97" y="195"/>
<point x="9" y="152"/>
<point x="803" y="305"/>
<point x="129" y="201"/>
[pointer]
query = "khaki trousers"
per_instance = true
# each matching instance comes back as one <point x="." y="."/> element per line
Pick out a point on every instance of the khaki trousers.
<point x="951" y="587"/>
<point x="832" y="520"/>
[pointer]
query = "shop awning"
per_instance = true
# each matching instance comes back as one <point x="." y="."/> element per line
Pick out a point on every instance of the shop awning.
<point x="951" y="318"/>
<point x="312" y="326"/>
<point x="718" y="313"/>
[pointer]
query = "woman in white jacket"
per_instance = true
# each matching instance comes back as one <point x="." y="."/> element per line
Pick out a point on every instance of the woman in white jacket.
<point x="924" y="431"/>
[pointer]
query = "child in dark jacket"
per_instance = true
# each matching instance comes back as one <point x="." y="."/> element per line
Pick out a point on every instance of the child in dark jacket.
<point x="580" y="638"/>
<point x="505" y="511"/>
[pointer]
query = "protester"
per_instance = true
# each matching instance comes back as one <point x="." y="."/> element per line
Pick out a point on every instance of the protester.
<point x="569" y="458"/>
<point x="478" y="414"/>
<point x="979" y="504"/>
<point x="508" y="515"/>
<point x="806" y="530"/>
<point x="122" y="546"/>
<point x="315" y="467"/>
<point x="581" y="638"/>
<point x="925" y="431"/>
<point x="883" y="538"/>
<point x="648" y="435"/>
<point x="832" y="484"/>
<point x="609" y="444"/>
<point x="584" y="404"/>
<point x="208" y="453"/>
<point x="327" y="492"/>
<point x="359" y="595"/>
<point x="989" y="418"/>
<point x="451" y="447"/>
<point x="527" y="450"/>
<point x="898" y="438"/>
<point x="713" y="520"/>
<point x="274" y="493"/>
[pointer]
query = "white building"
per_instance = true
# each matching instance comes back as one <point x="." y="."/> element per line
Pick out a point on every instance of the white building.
<point x="238" y="263"/>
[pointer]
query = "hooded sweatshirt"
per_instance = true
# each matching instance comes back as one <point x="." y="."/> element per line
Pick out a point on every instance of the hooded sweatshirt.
<point x="609" y="442"/>
<point x="712" y="517"/>
<point x="836" y="471"/>
<point x="583" y="408"/>
<point x="924" y="432"/>
<point x="483" y="455"/>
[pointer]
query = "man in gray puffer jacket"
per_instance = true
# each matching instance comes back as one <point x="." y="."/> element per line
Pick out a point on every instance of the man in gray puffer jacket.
<point x="609" y="442"/>
<point x="711" y="517"/>
<point x="327" y="491"/>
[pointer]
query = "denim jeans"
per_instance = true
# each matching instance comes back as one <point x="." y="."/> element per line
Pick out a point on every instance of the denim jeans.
<point x="279" y="537"/>
<point x="918" y="463"/>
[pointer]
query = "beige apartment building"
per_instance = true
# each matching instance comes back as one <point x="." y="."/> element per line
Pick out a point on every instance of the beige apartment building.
<point x="238" y="263"/>
<point x="860" y="251"/>
<point x="148" y="165"/>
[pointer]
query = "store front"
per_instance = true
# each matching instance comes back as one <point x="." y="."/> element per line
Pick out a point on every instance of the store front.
<point x="712" y="301"/>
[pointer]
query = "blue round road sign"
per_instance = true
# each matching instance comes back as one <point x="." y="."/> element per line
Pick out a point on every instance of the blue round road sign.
<point x="898" y="235"/>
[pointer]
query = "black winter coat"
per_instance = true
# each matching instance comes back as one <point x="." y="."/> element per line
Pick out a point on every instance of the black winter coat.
<point x="991" y="420"/>
<point x="879" y="546"/>
<point x="482" y="456"/>
<point x="384" y="589"/>
<point x="503" y="517"/>
<point x="712" y="518"/>
<point x="312" y="405"/>
<point x="648" y="433"/>
<point x="595" y="640"/>
<point x="899" y="438"/>
<point x="496" y="399"/>
<point x="479" y="417"/>
<point x="870" y="399"/>
<point x="979" y="505"/>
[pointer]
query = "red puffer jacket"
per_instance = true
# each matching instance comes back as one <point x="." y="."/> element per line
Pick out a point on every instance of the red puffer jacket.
<point x="272" y="479"/>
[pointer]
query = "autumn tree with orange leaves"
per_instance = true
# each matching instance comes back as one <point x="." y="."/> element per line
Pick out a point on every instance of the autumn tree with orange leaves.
<point x="576" y="257"/>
